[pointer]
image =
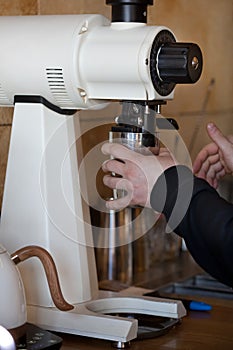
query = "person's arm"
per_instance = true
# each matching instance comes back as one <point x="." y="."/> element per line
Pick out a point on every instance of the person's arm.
<point x="207" y="226"/>
<point x="192" y="207"/>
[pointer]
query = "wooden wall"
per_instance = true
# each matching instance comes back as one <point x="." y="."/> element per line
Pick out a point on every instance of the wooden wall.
<point x="10" y="8"/>
<point x="208" y="23"/>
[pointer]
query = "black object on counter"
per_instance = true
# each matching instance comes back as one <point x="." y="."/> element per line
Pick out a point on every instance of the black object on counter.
<point x="37" y="338"/>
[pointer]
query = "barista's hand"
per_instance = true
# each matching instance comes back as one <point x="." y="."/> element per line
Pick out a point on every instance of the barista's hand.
<point x="215" y="159"/>
<point x="138" y="173"/>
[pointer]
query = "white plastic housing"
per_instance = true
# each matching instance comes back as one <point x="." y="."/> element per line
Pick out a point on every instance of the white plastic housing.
<point x="75" y="61"/>
<point x="42" y="204"/>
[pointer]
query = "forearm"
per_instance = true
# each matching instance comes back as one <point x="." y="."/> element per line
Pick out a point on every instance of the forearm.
<point x="208" y="231"/>
<point x="206" y="223"/>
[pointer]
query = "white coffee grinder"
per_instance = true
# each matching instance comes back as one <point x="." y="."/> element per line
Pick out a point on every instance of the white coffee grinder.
<point x="50" y="67"/>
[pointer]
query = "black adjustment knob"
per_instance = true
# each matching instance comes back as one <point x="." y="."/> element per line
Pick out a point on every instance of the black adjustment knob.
<point x="129" y="10"/>
<point x="179" y="63"/>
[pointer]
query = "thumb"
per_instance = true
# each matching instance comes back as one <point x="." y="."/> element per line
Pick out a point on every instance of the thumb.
<point x="216" y="135"/>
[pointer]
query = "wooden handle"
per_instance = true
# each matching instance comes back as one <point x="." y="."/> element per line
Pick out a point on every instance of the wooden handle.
<point x="50" y="270"/>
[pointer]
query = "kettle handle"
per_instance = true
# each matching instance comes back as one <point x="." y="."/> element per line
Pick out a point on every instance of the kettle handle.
<point x="50" y="270"/>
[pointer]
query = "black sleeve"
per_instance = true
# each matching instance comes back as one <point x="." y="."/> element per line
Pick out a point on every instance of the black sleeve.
<point x="195" y="211"/>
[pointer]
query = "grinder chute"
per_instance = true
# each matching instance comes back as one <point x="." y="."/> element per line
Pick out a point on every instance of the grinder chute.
<point x="129" y="10"/>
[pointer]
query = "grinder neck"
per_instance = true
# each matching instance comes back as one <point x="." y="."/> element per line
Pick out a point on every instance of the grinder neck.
<point x="171" y="63"/>
<point x="137" y="117"/>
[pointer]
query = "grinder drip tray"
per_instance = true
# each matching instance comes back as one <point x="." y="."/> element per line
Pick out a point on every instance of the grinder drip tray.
<point x="150" y="326"/>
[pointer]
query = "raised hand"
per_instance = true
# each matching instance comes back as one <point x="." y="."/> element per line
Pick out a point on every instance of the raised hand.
<point x="215" y="159"/>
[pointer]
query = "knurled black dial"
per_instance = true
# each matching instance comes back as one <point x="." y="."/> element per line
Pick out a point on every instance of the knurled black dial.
<point x="180" y="63"/>
<point x="173" y="63"/>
